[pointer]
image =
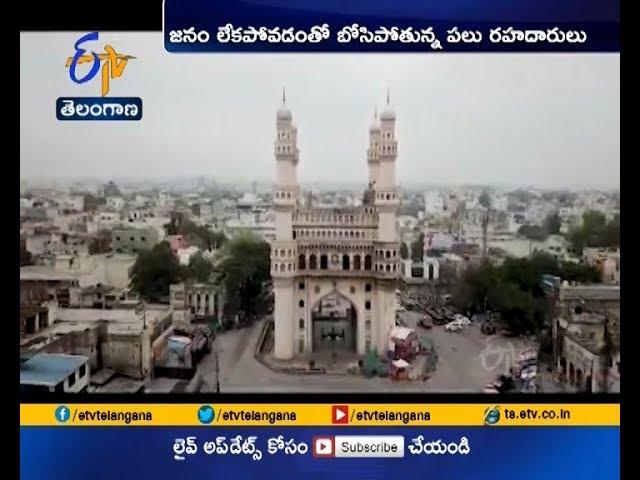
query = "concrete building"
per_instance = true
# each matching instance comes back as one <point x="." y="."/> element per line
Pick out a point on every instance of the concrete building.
<point x="133" y="240"/>
<point x="586" y="337"/>
<point x="81" y="270"/>
<point x="606" y="261"/>
<point x="197" y="301"/>
<point x="352" y="252"/>
<point x="118" y="339"/>
<point x="47" y="372"/>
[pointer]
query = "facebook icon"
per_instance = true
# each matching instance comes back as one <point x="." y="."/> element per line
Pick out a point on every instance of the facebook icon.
<point x="62" y="413"/>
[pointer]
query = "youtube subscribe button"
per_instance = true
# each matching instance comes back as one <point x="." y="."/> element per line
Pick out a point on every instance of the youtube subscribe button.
<point x="359" y="446"/>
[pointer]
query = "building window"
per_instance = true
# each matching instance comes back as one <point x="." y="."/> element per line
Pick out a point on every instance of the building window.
<point x="367" y="324"/>
<point x="323" y="262"/>
<point x="301" y="346"/>
<point x="118" y="239"/>
<point x="82" y="371"/>
<point x="367" y="305"/>
<point x="301" y="285"/>
<point x="388" y="254"/>
<point x="301" y="324"/>
<point x="356" y="262"/>
<point x="302" y="262"/>
<point x="72" y="379"/>
<point x="367" y="287"/>
<point x="144" y="239"/>
<point x="346" y="262"/>
<point x="367" y="262"/>
<point x="301" y="303"/>
<point x="313" y="262"/>
<point x="132" y="239"/>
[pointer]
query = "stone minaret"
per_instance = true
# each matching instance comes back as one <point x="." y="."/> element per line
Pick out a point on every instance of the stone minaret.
<point x="283" y="249"/>
<point x="387" y="246"/>
<point x="373" y="158"/>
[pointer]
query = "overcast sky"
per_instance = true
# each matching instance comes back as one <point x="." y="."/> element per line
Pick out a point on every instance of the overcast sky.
<point x="544" y="120"/>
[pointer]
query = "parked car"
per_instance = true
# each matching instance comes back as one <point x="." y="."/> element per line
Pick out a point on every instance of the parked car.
<point x="454" y="326"/>
<point x="488" y="328"/>
<point x="462" y="319"/>
<point x="490" y="388"/>
<point x="426" y="322"/>
<point x="529" y="372"/>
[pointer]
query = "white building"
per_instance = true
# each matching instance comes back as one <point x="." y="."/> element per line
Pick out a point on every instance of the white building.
<point x="433" y="203"/>
<point x="351" y="252"/>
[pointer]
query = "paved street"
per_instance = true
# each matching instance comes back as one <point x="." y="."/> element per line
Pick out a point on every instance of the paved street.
<point x="467" y="361"/>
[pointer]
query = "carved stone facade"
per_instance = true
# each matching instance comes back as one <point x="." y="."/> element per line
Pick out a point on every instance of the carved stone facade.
<point x="353" y="252"/>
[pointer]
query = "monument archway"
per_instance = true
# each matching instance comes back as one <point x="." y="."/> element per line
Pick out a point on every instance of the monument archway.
<point x="334" y="323"/>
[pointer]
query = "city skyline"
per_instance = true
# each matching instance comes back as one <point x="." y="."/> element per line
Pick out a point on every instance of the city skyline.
<point x="462" y="119"/>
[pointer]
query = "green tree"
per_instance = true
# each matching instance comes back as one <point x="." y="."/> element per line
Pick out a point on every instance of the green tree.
<point x="595" y="231"/>
<point x="199" y="268"/>
<point x="532" y="232"/>
<point x="404" y="251"/>
<point x="552" y="224"/>
<point x="417" y="248"/>
<point x="153" y="272"/>
<point x="245" y="270"/>
<point x="513" y="289"/>
<point x="197" y="235"/>
<point x="485" y="199"/>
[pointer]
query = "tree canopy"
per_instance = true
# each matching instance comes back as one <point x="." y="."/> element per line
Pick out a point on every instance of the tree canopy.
<point x="199" y="268"/>
<point x="514" y="288"/>
<point x="417" y="248"/>
<point x="197" y="235"/>
<point x="550" y="226"/>
<point x="153" y="272"/>
<point x="245" y="270"/>
<point x="595" y="231"/>
<point x="485" y="199"/>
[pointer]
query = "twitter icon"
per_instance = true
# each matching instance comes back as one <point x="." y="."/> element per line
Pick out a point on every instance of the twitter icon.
<point x="206" y="414"/>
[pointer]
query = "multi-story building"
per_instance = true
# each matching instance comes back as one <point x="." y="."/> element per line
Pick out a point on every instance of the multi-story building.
<point x="606" y="261"/>
<point x="132" y="240"/>
<point x="352" y="252"/>
<point x="586" y="337"/>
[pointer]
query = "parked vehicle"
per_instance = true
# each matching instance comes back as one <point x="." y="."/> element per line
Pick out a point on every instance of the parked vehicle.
<point x="426" y="322"/>
<point x="490" y="388"/>
<point x="454" y="326"/>
<point x="488" y="327"/>
<point x="462" y="319"/>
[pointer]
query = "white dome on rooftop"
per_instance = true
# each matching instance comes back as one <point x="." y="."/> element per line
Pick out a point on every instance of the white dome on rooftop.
<point x="388" y="113"/>
<point x="283" y="113"/>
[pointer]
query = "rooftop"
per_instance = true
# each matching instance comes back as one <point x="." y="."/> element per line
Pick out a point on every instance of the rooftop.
<point x="592" y="291"/>
<point x="49" y="369"/>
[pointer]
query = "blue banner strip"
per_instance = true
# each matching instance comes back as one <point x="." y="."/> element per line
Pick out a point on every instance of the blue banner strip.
<point x="262" y="26"/>
<point x="495" y="453"/>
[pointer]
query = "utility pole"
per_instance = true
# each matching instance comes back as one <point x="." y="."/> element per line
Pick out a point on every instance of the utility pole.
<point x="485" y="224"/>
<point x="215" y="353"/>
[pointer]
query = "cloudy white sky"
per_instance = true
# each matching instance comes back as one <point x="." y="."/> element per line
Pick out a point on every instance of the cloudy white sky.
<point x="544" y="120"/>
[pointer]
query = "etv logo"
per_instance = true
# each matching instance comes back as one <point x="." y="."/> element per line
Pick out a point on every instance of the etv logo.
<point x="113" y="67"/>
<point x="339" y="414"/>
